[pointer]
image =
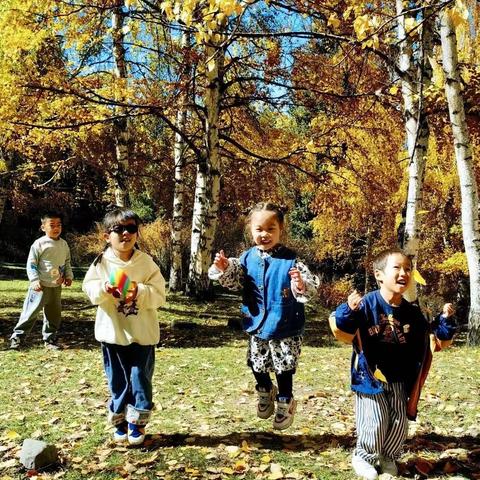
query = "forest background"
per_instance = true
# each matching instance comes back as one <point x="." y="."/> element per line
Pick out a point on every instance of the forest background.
<point x="361" y="117"/>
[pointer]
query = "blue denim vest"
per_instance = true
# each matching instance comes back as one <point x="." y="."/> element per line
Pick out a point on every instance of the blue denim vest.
<point x="269" y="307"/>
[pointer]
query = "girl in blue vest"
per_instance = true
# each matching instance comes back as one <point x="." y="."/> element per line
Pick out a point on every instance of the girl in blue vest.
<point x="275" y="288"/>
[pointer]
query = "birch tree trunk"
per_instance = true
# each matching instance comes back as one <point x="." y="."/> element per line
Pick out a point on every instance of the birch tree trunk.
<point x="121" y="136"/>
<point x="207" y="186"/>
<point x="178" y="217"/>
<point x="466" y="175"/>
<point x="417" y="134"/>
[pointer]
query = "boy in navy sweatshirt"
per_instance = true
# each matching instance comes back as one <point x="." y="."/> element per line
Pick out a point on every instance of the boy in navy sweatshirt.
<point x="390" y="338"/>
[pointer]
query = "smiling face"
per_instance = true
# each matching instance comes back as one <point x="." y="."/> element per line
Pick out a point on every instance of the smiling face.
<point x="52" y="227"/>
<point x="121" y="240"/>
<point x="394" y="277"/>
<point x="265" y="229"/>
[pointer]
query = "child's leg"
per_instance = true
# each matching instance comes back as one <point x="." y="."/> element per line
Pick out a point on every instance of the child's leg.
<point x="52" y="313"/>
<point x="285" y="356"/>
<point x="33" y="303"/>
<point x="398" y="427"/>
<point x="285" y="384"/>
<point x="263" y="380"/>
<point x="259" y="360"/>
<point x="142" y="360"/>
<point x="117" y="369"/>
<point x="372" y="419"/>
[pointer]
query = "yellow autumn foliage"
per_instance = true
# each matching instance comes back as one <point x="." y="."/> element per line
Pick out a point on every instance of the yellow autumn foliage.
<point x="456" y="263"/>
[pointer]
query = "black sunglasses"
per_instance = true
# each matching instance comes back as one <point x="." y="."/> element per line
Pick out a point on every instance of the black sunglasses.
<point x="119" y="229"/>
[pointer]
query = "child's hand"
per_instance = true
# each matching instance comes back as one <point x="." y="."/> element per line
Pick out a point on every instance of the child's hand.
<point x="354" y="300"/>
<point x="67" y="282"/>
<point x="221" y="261"/>
<point x="132" y="292"/>
<point x="448" y="310"/>
<point x="297" y="279"/>
<point x="109" y="288"/>
<point x="36" y="286"/>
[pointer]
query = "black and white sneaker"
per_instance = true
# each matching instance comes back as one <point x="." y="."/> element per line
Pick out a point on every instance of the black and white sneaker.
<point x="285" y="413"/>
<point x="266" y="401"/>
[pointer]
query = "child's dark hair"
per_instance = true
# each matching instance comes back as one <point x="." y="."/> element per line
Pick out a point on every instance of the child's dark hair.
<point x="49" y="215"/>
<point x="380" y="261"/>
<point x="115" y="217"/>
<point x="269" y="207"/>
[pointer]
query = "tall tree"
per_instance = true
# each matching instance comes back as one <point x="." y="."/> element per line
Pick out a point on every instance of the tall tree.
<point x="121" y="133"/>
<point x="415" y="75"/>
<point x="207" y="185"/>
<point x="465" y="168"/>
<point x="179" y="156"/>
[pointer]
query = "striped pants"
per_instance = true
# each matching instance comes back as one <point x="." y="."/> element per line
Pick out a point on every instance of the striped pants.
<point x="381" y="422"/>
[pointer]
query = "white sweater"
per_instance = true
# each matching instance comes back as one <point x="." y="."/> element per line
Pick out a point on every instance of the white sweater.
<point x="49" y="261"/>
<point x="124" y="327"/>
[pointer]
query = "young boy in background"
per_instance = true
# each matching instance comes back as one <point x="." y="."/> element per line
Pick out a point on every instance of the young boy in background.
<point x="48" y="268"/>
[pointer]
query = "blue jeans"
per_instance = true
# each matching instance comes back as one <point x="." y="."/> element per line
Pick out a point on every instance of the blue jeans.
<point x="129" y="371"/>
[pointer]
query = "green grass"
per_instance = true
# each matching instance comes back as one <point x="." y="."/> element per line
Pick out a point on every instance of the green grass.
<point x="204" y="425"/>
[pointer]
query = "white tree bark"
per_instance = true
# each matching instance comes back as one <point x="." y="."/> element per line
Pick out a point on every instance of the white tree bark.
<point x="466" y="174"/>
<point x="121" y="136"/>
<point x="417" y="134"/>
<point x="207" y="188"/>
<point x="178" y="217"/>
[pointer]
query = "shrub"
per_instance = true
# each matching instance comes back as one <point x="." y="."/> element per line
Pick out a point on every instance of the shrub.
<point x="155" y="240"/>
<point x="84" y="248"/>
<point x="334" y="293"/>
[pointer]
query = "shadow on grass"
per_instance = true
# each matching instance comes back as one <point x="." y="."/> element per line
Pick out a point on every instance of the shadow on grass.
<point x="261" y="440"/>
<point x="77" y="330"/>
<point x="73" y="333"/>
<point x="10" y="271"/>
<point x="466" y="465"/>
<point x="465" y="462"/>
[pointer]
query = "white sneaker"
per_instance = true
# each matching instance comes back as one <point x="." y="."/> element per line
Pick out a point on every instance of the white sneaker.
<point x="284" y="414"/>
<point x="136" y="434"/>
<point x="363" y="468"/>
<point x="120" y="434"/>
<point x="388" y="465"/>
<point x="266" y="402"/>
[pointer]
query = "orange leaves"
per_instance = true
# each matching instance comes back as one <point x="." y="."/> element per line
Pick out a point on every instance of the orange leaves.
<point x="423" y="466"/>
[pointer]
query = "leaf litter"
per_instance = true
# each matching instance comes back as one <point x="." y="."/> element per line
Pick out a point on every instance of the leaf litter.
<point x="205" y="425"/>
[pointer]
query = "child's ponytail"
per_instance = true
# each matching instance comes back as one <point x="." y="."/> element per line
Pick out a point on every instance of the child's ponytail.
<point x="98" y="258"/>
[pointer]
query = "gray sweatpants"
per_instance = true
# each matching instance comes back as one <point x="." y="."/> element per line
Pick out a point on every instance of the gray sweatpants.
<point x="49" y="299"/>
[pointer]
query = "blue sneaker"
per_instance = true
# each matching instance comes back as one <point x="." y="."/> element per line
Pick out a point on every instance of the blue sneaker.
<point x="120" y="435"/>
<point x="136" y="434"/>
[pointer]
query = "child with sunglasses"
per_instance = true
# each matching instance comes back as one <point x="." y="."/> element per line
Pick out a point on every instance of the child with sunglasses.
<point x="128" y="288"/>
